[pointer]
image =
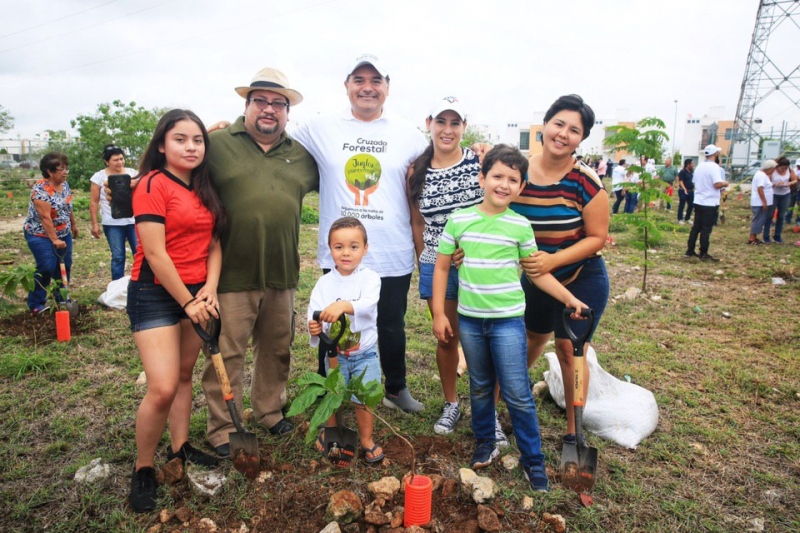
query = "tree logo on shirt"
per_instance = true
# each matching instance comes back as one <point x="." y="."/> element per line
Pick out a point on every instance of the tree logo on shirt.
<point x="350" y="341"/>
<point x="362" y="173"/>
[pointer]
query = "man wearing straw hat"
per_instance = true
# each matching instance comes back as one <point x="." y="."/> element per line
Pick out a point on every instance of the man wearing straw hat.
<point x="262" y="175"/>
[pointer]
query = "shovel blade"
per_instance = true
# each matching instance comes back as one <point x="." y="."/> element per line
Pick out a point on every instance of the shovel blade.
<point x="340" y="445"/>
<point x="588" y="467"/>
<point x="569" y="465"/>
<point x="578" y="467"/>
<point x="244" y="454"/>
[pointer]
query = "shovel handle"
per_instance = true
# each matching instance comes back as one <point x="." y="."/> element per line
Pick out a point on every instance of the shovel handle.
<point x="578" y="341"/>
<point x="323" y="337"/>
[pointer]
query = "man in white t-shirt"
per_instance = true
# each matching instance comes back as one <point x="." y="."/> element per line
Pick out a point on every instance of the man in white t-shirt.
<point x="618" y="176"/>
<point x="708" y="183"/>
<point x="363" y="154"/>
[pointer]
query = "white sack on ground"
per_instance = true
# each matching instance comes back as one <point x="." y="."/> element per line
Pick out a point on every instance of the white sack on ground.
<point x="116" y="295"/>
<point x="616" y="410"/>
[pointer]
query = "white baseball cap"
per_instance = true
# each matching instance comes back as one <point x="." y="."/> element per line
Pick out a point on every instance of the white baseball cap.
<point x="448" y="103"/>
<point x="711" y="150"/>
<point x="368" y="59"/>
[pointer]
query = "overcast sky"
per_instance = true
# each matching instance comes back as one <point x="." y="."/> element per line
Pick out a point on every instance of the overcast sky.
<point x="505" y="59"/>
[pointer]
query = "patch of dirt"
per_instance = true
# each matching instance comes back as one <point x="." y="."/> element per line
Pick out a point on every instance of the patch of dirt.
<point x="42" y="328"/>
<point x="295" y="496"/>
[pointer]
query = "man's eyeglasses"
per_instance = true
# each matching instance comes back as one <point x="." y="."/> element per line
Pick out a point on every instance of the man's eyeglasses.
<point x="277" y="105"/>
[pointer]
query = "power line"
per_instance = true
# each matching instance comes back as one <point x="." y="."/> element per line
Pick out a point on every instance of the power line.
<point x="213" y="33"/>
<point x="85" y="27"/>
<point x="56" y="20"/>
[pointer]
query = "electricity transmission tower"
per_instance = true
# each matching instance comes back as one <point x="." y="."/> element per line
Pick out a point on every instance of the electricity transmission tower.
<point x="771" y="77"/>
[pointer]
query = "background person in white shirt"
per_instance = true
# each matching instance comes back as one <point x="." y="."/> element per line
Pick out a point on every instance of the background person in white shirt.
<point x="708" y="183"/>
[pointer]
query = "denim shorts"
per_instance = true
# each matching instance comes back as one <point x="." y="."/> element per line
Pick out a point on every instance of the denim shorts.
<point x="353" y="365"/>
<point x="426" y="282"/>
<point x="543" y="312"/>
<point x="151" y="306"/>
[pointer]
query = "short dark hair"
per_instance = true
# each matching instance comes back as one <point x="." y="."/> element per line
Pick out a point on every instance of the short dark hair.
<point x="621" y="162"/>
<point x="507" y="155"/>
<point x="783" y="161"/>
<point x="51" y="161"/>
<point x="110" y="151"/>
<point x="347" y="222"/>
<point x="687" y="161"/>
<point x="573" y="102"/>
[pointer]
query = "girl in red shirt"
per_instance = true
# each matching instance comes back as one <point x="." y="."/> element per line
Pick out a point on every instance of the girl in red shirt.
<point x="173" y="284"/>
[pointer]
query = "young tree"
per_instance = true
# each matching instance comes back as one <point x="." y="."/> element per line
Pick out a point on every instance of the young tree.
<point x="6" y="120"/>
<point x="645" y="139"/>
<point x="474" y="134"/>
<point x="127" y="125"/>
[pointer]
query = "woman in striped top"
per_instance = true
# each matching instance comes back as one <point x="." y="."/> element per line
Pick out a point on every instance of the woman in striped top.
<point x="567" y="207"/>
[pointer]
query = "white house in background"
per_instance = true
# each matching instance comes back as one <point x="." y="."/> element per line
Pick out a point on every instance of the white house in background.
<point x="21" y="149"/>
<point x="711" y="128"/>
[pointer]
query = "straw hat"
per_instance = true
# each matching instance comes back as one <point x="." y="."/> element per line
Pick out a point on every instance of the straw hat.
<point x="271" y="79"/>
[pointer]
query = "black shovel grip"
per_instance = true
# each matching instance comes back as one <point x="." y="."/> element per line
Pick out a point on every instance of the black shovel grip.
<point x="578" y="341"/>
<point x="210" y="334"/>
<point x="323" y="337"/>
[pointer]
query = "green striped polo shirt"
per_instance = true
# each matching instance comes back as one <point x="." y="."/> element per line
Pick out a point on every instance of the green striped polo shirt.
<point x="488" y="279"/>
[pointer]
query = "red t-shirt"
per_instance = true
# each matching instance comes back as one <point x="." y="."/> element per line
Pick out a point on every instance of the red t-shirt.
<point x="163" y="198"/>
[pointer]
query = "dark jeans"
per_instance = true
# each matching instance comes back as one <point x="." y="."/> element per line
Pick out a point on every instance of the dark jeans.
<point x="631" y="199"/>
<point x="780" y="203"/>
<point x="686" y="199"/>
<point x="620" y="194"/>
<point x="391" y="331"/>
<point x="116" y="237"/>
<point x="794" y="199"/>
<point x="705" y="218"/>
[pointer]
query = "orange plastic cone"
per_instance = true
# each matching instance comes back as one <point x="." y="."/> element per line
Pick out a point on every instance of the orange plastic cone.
<point x="62" y="326"/>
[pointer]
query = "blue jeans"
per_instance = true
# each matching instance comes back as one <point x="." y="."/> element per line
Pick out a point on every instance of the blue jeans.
<point x="631" y="199"/>
<point x="780" y="203"/>
<point x="116" y="237"/>
<point x="47" y="267"/>
<point x="495" y="350"/>
<point x="352" y="366"/>
<point x="426" y="282"/>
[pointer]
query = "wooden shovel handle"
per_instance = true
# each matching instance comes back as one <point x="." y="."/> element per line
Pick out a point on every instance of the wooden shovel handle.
<point x="222" y="376"/>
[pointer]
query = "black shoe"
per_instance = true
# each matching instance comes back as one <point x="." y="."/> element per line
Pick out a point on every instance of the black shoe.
<point x="689" y="255"/>
<point x="282" y="427"/>
<point x="709" y="257"/>
<point x="191" y="455"/>
<point x="570" y="438"/>
<point x="223" y="450"/>
<point x="143" y="490"/>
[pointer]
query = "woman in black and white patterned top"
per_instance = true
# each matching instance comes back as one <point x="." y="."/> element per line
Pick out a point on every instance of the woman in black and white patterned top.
<point x="444" y="178"/>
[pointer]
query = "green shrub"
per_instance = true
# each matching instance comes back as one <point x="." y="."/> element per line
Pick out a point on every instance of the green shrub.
<point x="309" y="215"/>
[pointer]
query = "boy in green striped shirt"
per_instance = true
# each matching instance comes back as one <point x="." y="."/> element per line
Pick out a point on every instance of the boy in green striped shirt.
<point x="491" y="306"/>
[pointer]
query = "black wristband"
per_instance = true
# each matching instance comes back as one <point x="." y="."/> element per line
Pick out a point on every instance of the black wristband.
<point x="187" y="303"/>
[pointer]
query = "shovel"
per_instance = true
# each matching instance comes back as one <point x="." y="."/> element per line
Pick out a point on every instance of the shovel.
<point x="244" y="446"/>
<point x="578" y="461"/>
<point x="340" y="442"/>
<point x="66" y="302"/>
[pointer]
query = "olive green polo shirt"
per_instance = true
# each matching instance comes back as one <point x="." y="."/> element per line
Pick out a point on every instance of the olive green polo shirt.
<point x="262" y="193"/>
<point x="668" y="174"/>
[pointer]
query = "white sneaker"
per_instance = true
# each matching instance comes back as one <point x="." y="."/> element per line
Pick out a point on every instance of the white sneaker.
<point x="447" y="422"/>
<point x="500" y="438"/>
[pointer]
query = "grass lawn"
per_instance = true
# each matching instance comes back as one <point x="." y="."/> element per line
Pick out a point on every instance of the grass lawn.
<point x="717" y="343"/>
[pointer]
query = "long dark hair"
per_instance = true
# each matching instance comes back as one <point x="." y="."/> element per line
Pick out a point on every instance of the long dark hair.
<point x="204" y="188"/>
<point x="419" y="170"/>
